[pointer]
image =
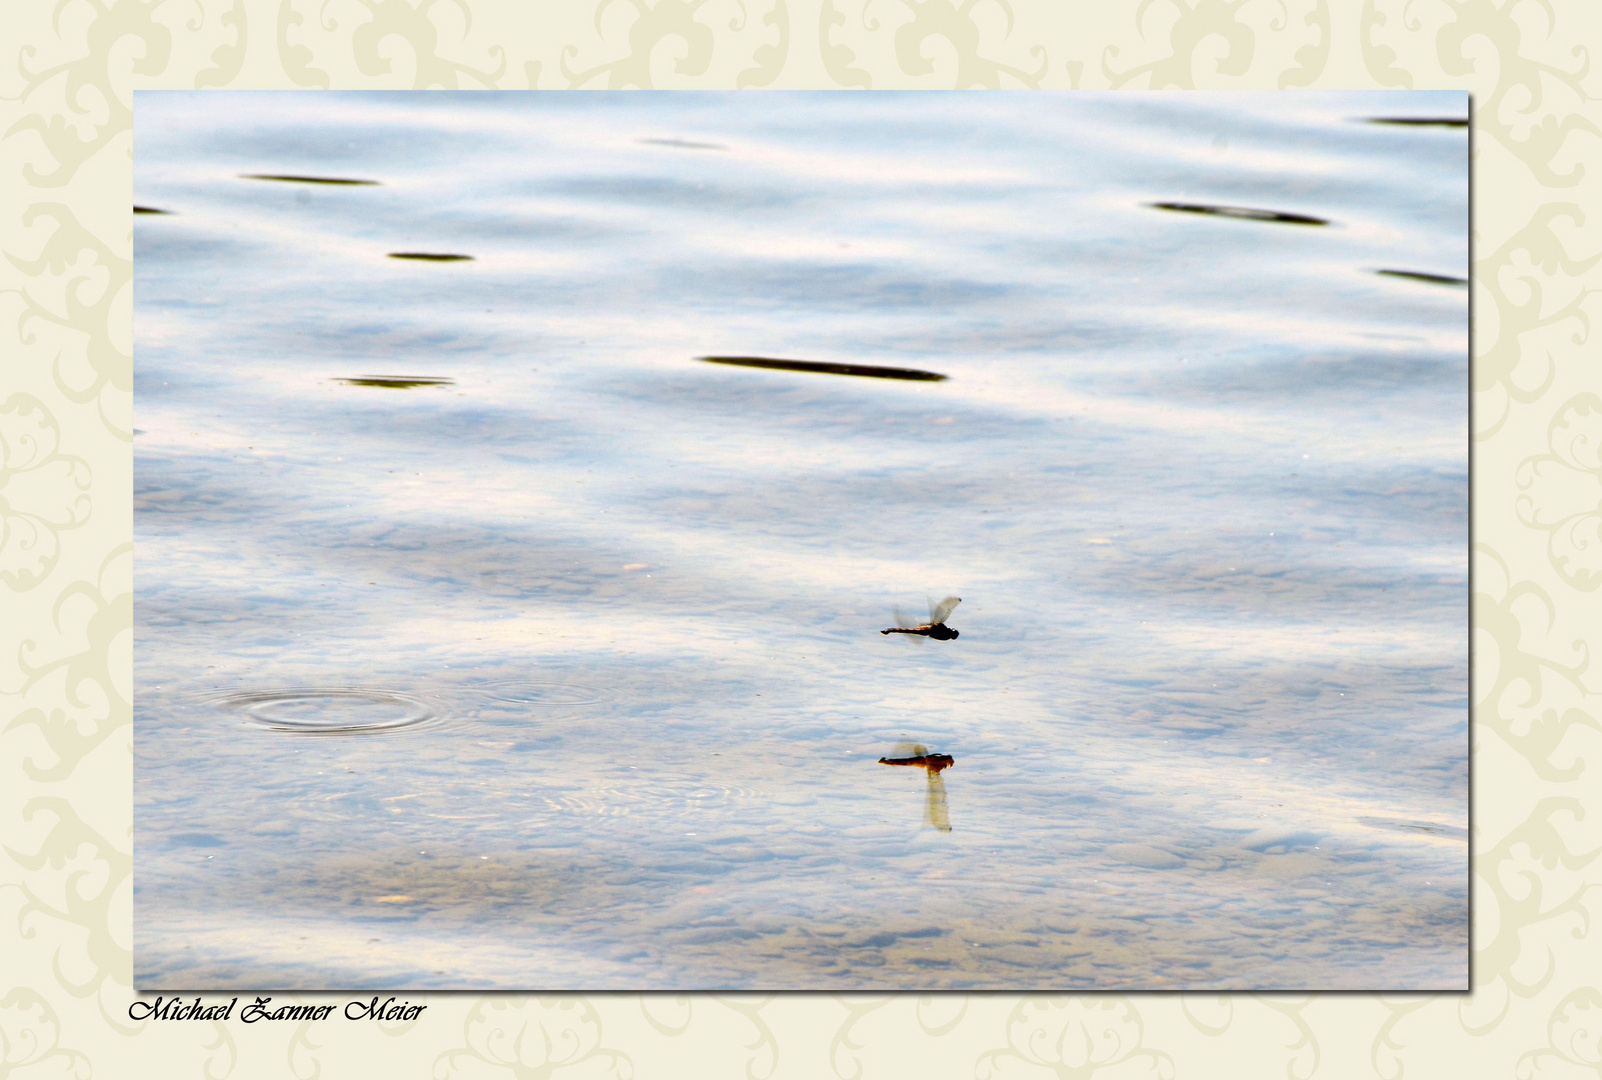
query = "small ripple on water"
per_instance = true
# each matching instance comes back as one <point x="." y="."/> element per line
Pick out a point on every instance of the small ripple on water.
<point x="524" y="692"/>
<point x="683" y="144"/>
<point x="328" y="710"/>
<point x="1430" y="828"/>
<point x="648" y="797"/>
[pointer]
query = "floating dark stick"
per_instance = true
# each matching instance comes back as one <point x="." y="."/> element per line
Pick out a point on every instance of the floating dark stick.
<point x="397" y="382"/>
<point x="1421" y="121"/>
<point x="1418" y="275"/>
<point x="863" y="370"/>
<point x="1244" y="213"/>
<point x="429" y="256"/>
<point x="287" y="178"/>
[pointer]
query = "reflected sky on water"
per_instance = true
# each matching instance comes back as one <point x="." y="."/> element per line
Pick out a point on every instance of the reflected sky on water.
<point x="486" y="636"/>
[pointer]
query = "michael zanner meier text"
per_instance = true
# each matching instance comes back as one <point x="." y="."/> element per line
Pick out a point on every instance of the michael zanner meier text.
<point x="262" y="1009"/>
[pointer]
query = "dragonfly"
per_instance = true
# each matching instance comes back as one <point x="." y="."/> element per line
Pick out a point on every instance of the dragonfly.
<point x="936" y="626"/>
<point x="917" y="755"/>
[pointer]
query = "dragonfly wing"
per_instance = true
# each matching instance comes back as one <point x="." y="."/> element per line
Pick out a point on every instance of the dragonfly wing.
<point x="939" y="612"/>
<point x="908" y="749"/>
<point x="939" y="818"/>
<point x="905" y="623"/>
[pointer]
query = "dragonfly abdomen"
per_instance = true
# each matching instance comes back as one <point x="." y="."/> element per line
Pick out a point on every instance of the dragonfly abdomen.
<point x="938" y="631"/>
<point x="932" y="762"/>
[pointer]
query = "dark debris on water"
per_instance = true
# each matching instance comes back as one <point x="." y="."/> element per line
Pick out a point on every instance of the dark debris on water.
<point x="150" y="210"/>
<point x="1430" y="279"/>
<point x="430" y="256"/>
<point x="1421" y="121"/>
<point x="290" y="178"/>
<point x="865" y="371"/>
<point x="1244" y="213"/>
<point x="397" y="382"/>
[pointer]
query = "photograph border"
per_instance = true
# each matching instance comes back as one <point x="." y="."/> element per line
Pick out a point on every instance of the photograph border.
<point x="66" y="563"/>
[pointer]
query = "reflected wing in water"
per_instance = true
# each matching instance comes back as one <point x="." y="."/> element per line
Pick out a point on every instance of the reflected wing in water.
<point x="939" y="612"/>
<point x="917" y="754"/>
<point x="938" y="818"/>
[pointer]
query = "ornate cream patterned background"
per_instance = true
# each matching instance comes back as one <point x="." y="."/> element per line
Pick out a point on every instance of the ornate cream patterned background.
<point x="67" y="72"/>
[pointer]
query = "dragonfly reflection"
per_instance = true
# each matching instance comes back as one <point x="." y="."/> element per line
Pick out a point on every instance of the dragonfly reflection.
<point x="915" y="754"/>
<point x="936" y="626"/>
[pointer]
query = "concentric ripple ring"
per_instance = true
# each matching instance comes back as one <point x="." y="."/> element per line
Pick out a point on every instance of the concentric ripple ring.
<point x="328" y="710"/>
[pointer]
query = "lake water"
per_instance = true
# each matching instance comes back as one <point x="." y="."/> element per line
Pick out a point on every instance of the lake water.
<point x="488" y="637"/>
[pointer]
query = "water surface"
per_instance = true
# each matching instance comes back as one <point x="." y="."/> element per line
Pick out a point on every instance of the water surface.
<point x="489" y="637"/>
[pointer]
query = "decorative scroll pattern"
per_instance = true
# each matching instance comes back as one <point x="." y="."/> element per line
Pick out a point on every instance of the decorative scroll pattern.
<point x="66" y="589"/>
